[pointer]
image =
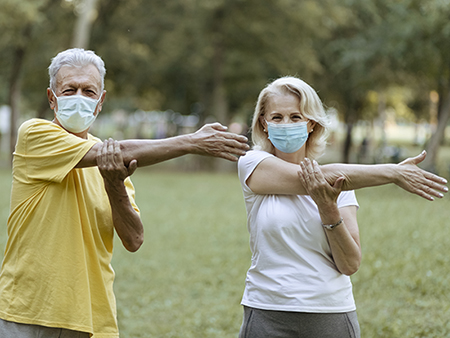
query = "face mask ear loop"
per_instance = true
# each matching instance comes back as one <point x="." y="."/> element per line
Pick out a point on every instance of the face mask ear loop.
<point x="56" y="97"/>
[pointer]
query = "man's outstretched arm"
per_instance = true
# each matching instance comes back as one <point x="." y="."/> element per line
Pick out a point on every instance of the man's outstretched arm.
<point x="210" y="140"/>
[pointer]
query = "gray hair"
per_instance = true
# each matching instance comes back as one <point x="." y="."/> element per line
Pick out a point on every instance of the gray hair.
<point x="310" y="106"/>
<point x="75" y="57"/>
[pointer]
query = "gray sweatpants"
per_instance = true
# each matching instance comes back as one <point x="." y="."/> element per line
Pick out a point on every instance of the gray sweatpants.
<point x="18" y="330"/>
<point x="273" y="324"/>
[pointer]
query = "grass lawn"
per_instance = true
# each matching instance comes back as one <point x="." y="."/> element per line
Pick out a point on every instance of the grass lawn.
<point x="187" y="279"/>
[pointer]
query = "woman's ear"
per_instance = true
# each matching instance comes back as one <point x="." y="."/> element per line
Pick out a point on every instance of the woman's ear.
<point x="263" y="122"/>
<point x="311" y="125"/>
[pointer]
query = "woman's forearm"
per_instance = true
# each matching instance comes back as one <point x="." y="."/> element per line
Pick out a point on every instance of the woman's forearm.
<point x="278" y="177"/>
<point x="344" y="239"/>
<point x="360" y="176"/>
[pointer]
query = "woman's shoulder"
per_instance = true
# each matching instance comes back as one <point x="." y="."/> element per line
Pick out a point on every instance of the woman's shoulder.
<point x="254" y="155"/>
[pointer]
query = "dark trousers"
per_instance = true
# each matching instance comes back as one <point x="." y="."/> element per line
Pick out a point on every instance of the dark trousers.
<point x="283" y="324"/>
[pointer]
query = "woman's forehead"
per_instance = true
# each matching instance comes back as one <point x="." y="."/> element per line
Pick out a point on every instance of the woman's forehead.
<point x="282" y="103"/>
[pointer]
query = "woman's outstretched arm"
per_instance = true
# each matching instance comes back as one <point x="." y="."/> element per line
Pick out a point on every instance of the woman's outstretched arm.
<point x="275" y="176"/>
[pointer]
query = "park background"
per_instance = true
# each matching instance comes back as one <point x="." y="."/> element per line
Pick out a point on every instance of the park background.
<point x="382" y="68"/>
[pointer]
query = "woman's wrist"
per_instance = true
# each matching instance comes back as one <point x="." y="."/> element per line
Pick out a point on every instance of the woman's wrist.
<point x="393" y="173"/>
<point x="329" y="214"/>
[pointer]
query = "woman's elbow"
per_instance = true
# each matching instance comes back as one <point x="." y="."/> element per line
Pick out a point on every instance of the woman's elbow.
<point x="350" y="267"/>
<point x="350" y="270"/>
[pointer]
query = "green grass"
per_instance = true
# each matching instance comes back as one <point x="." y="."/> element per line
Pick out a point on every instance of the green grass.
<point x="188" y="278"/>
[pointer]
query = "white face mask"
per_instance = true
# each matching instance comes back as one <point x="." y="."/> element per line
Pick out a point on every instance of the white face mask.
<point x="76" y="112"/>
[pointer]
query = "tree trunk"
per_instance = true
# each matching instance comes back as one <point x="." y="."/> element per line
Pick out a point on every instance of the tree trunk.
<point x="430" y="162"/>
<point x="219" y="94"/>
<point x="82" y="31"/>
<point x="347" y="143"/>
<point x="15" y="89"/>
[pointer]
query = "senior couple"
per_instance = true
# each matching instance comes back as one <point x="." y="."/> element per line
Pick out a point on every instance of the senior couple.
<point x="71" y="192"/>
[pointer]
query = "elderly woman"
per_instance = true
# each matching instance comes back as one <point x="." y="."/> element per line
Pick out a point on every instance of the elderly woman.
<point x="302" y="218"/>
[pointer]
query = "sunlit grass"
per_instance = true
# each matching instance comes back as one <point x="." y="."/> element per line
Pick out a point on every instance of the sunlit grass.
<point x="187" y="279"/>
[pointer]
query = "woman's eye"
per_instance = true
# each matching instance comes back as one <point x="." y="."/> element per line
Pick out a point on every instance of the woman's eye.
<point x="276" y="118"/>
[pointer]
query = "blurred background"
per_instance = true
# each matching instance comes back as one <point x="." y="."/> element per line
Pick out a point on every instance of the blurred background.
<point x="381" y="67"/>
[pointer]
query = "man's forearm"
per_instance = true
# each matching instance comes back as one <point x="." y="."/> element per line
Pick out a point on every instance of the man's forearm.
<point x="210" y="140"/>
<point x="126" y="221"/>
<point x="149" y="152"/>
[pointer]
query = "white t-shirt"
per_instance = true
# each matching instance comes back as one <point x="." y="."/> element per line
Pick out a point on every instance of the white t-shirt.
<point x="292" y="267"/>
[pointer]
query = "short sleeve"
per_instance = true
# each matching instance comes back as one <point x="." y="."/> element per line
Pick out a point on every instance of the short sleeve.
<point x="347" y="198"/>
<point x="45" y="151"/>
<point x="131" y="194"/>
<point x="248" y="163"/>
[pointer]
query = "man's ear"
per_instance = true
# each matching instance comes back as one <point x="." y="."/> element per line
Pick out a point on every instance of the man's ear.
<point x="51" y="99"/>
<point x="100" y="102"/>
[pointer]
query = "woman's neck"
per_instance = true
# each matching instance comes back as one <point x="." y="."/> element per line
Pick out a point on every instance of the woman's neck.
<point x="294" y="158"/>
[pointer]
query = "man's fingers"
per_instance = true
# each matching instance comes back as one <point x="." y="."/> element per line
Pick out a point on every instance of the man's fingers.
<point x="117" y="153"/>
<point x="435" y="178"/>
<point x="237" y="137"/>
<point x="234" y="141"/>
<point x="227" y="156"/>
<point x="231" y="148"/>
<point x="216" y="126"/>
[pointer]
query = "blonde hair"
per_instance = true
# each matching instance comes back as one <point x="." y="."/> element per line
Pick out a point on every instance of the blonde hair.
<point x="310" y="106"/>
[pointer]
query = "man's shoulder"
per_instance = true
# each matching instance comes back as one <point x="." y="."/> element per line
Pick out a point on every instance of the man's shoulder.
<point x="36" y="123"/>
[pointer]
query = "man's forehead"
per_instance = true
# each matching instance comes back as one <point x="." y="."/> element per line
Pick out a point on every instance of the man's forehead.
<point x="86" y="74"/>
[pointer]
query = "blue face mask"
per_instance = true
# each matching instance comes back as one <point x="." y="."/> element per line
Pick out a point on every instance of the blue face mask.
<point x="288" y="137"/>
<point x="76" y="112"/>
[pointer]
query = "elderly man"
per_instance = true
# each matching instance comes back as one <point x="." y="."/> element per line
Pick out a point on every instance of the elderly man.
<point x="70" y="191"/>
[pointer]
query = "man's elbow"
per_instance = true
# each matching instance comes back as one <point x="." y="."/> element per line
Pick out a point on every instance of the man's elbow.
<point x="134" y="244"/>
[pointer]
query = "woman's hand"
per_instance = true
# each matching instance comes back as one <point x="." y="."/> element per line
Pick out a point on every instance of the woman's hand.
<point x="418" y="181"/>
<point x="316" y="186"/>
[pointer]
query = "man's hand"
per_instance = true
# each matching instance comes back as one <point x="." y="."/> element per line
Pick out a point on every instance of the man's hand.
<point x="418" y="181"/>
<point x="110" y="162"/>
<point x="214" y="140"/>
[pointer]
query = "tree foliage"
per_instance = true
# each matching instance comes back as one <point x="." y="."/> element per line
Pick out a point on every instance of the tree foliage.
<point x="212" y="57"/>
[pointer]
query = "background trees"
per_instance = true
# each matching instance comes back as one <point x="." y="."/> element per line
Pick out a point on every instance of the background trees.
<point x="212" y="57"/>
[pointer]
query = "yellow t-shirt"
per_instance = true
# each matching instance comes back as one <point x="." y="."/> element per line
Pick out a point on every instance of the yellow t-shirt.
<point x="56" y="270"/>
